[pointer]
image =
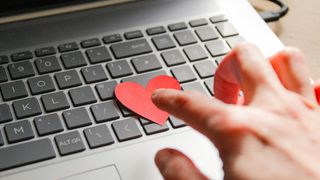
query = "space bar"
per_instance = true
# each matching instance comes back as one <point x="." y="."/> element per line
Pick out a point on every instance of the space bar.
<point x="26" y="153"/>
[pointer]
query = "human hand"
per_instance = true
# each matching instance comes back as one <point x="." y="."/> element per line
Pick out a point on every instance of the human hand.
<point x="274" y="135"/>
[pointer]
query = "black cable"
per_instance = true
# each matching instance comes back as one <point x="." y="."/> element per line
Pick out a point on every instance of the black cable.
<point x="270" y="16"/>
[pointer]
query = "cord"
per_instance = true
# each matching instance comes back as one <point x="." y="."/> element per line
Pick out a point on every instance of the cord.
<point x="270" y="16"/>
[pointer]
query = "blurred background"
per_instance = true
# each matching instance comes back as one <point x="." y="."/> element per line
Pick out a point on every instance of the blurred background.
<point x="299" y="28"/>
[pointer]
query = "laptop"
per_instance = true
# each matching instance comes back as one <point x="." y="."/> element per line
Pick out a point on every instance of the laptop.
<point x="60" y="61"/>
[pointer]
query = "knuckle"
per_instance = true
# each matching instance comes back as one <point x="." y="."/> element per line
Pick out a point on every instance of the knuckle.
<point x="295" y="54"/>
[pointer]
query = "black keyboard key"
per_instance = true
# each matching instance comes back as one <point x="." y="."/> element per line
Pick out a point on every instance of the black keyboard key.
<point x="5" y="113"/>
<point x="21" y="56"/>
<point x="21" y="70"/>
<point x="207" y="33"/>
<point x="4" y="59"/>
<point x="195" y="53"/>
<point x="26" y="108"/>
<point x="68" y="79"/>
<point x="133" y="34"/>
<point x="48" y="124"/>
<point x="198" y="22"/>
<point x="126" y="129"/>
<point x="156" y="30"/>
<point x="144" y="78"/>
<point x="173" y="57"/>
<point x="226" y="29"/>
<point x="47" y="65"/>
<point x="146" y="63"/>
<point x="131" y="48"/>
<point x="163" y="42"/>
<point x="41" y="84"/>
<point x="98" y="136"/>
<point x="106" y="90"/>
<point x="205" y="69"/>
<point x="125" y="111"/>
<point x="145" y="121"/>
<point x="217" y="48"/>
<point x="94" y="74"/>
<point x="219" y="18"/>
<point x="26" y="153"/>
<point x="68" y="47"/>
<point x="1" y="139"/>
<point x="155" y="128"/>
<point x="235" y="40"/>
<point x="76" y="118"/>
<point x="69" y="143"/>
<point x="183" y="74"/>
<point x="55" y="102"/>
<point x="73" y="60"/>
<point x="82" y="96"/>
<point x="90" y="43"/>
<point x="46" y="51"/>
<point x="112" y="38"/>
<point x="13" y="90"/>
<point x="19" y="131"/>
<point x="104" y="112"/>
<point x="185" y="38"/>
<point x="177" y="26"/>
<point x="119" y="69"/>
<point x="209" y="85"/>
<point x="176" y="123"/>
<point x="194" y="86"/>
<point x="98" y="55"/>
<point x="3" y="75"/>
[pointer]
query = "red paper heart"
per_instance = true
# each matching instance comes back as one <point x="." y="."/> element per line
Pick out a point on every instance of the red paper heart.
<point x="138" y="99"/>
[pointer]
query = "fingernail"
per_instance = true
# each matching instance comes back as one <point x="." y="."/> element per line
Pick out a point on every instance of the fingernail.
<point x="156" y="93"/>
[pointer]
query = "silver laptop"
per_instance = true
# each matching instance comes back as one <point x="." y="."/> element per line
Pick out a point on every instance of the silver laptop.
<point x="59" y="118"/>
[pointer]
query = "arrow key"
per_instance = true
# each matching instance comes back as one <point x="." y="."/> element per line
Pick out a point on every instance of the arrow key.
<point x="126" y="129"/>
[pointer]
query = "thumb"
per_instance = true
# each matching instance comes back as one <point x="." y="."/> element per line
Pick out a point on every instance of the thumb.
<point x="174" y="165"/>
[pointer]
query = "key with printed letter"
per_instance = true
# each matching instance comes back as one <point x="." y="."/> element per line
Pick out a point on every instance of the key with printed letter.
<point x="68" y="79"/>
<point x="26" y="108"/>
<point x="13" y="90"/>
<point x="42" y="84"/>
<point x="55" y="102"/>
<point x="19" y="131"/>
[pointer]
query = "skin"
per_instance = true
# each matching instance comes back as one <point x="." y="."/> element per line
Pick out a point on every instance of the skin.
<point x="274" y="134"/>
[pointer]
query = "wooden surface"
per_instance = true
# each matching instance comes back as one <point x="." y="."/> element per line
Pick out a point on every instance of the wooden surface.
<point x="300" y="28"/>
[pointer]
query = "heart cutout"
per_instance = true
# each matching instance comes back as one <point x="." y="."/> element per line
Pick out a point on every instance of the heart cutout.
<point x="138" y="99"/>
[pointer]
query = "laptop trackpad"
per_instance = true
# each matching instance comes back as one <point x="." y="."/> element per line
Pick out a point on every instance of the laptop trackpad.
<point x="108" y="172"/>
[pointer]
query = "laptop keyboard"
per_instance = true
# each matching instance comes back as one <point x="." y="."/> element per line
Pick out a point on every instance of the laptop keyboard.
<point x="62" y="102"/>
